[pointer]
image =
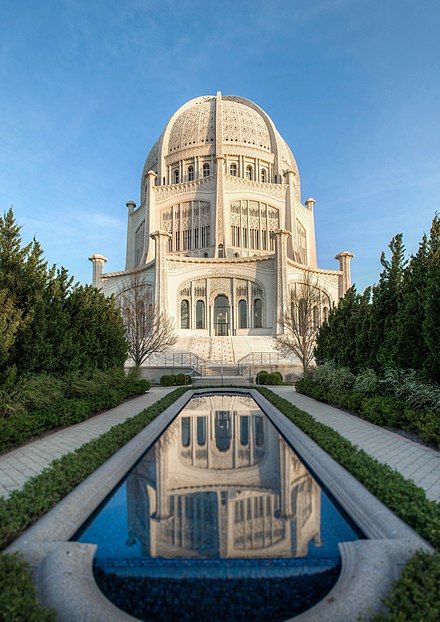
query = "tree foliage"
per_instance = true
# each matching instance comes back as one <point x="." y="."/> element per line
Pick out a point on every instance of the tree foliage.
<point x="48" y="325"/>
<point x="395" y="324"/>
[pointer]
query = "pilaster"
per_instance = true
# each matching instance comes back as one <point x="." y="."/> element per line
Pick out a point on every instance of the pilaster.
<point x="152" y="220"/>
<point x="289" y="216"/>
<point x="161" y="270"/>
<point x="220" y="190"/>
<point x="280" y="282"/>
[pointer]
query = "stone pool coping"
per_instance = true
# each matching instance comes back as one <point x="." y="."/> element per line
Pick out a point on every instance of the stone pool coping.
<point x="64" y="569"/>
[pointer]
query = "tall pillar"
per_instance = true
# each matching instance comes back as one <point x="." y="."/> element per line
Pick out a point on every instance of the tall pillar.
<point x="311" y="239"/>
<point x="281" y="288"/>
<point x="150" y="215"/>
<point x="129" y="259"/>
<point x="98" y="265"/>
<point x="289" y="216"/>
<point x="344" y="281"/>
<point x="161" y="270"/>
<point x="220" y="190"/>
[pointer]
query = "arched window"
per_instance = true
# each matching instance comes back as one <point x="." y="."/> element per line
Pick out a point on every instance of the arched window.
<point x="201" y="430"/>
<point x="249" y="172"/>
<point x="259" y="431"/>
<point x="220" y="250"/>
<point x="184" y="314"/>
<point x="186" y="431"/>
<point x="325" y="314"/>
<point x="244" y="430"/>
<point x="190" y="173"/>
<point x="263" y="175"/>
<point x="206" y="170"/>
<point x="200" y="314"/>
<point x="205" y="255"/>
<point x="236" y="254"/>
<point x="302" y="316"/>
<point x="233" y="169"/>
<point x="242" y="314"/>
<point x="176" y="177"/>
<point x="258" y="313"/>
<point x="223" y="429"/>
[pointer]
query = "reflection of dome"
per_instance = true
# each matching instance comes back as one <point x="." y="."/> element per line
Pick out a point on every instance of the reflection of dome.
<point x="244" y="128"/>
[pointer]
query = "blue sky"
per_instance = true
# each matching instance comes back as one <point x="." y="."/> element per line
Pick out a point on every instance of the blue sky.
<point x="86" y="87"/>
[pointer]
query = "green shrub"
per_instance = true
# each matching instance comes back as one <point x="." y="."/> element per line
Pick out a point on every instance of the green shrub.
<point x="384" y="410"/>
<point x="415" y="595"/>
<point x="42" y="492"/>
<point x="403" y="497"/>
<point x="168" y="380"/>
<point x="18" y="596"/>
<point x="278" y="375"/>
<point x="261" y="377"/>
<point x="180" y="379"/>
<point x="18" y="428"/>
<point x="367" y="383"/>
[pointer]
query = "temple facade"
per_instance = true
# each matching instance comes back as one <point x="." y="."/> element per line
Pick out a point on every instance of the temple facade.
<point x="221" y="235"/>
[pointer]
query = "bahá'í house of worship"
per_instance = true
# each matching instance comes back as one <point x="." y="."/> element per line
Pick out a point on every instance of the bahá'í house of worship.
<point x="221" y="234"/>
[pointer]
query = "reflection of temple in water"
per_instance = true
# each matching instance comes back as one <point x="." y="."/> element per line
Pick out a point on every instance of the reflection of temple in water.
<point x="221" y="482"/>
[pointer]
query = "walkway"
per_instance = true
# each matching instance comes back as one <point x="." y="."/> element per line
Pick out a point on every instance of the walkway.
<point x="21" y="464"/>
<point x="412" y="460"/>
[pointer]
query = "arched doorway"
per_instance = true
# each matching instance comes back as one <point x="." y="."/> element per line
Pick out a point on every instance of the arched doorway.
<point x="221" y="316"/>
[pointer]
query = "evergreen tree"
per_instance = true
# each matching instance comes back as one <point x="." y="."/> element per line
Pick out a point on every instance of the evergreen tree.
<point x="387" y="296"/>
<point x="431" y="324"/>
<point x="408" y="350"/>
<point x="338" y="337"/>
<point x="97" y="331"/>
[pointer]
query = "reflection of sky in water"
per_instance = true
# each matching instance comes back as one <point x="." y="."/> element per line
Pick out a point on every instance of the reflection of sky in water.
<point x="266" y="473"/>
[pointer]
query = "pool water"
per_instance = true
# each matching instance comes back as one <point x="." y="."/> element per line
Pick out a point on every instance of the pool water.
<point x="219" y="520"/>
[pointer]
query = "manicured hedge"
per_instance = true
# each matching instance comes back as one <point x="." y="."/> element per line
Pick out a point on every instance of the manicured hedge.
<point x="18" y="596"/>
<point x="170" y="380"/>
<point x="265" y="377"/>
<point x="17" y="429"/>
<point x="383" y="410"/>
<point x="42" y="492"/>
<point x="415" y="595"/>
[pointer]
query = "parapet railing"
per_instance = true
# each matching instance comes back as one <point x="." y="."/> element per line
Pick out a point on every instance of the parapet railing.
<point x="177" y="359"/>
<point x="259" y="359"/>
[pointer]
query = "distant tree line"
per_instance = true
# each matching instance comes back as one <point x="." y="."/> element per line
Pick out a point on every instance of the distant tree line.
<point x="394" y="324"/>
<point x="48" y="324"/>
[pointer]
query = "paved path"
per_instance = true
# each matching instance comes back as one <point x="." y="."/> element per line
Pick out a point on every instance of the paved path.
<point x="20" y="464"/>
<point x="412" y="460"/>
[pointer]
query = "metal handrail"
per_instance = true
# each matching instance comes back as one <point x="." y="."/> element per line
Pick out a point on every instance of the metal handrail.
<point x="258" y="358"/>
<point x="176" y="359"/>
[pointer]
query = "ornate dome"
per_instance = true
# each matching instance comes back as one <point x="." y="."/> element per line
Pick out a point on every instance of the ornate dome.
<point x="242" y="127"/>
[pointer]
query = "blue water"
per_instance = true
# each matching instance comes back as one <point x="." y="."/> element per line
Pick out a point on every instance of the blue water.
<point x="220" y="514"/>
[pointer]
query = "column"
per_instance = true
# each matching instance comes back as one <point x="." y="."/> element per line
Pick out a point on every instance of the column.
<point x="281" y="286"/>
<point x="344" y="280"/>
<point x="98" y="265"/>
<point x="129" y="260"/>
<point x="289" y="216"/>
<point x="151" y="218"/>
<point x="161" y="270"/>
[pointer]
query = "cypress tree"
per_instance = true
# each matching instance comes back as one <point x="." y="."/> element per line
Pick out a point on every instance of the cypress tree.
<point x="431" y="324"/>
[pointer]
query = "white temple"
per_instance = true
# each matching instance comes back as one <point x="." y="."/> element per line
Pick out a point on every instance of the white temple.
<point x="220" y="234"/>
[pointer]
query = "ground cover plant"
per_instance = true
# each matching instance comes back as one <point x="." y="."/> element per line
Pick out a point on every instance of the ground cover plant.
<point x="396" y="398"/>
<point x="18" y="599"/>
<point x="42" y="402"/>
<point x="415" y="596"/>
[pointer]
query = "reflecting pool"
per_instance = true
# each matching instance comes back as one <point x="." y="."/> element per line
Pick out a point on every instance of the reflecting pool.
<point x="220" y="520"/>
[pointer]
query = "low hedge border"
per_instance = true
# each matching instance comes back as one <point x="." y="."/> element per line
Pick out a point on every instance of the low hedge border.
<point x="15" y="430"/>
<point x="422" y="573"/>
<point x="415" y="595"/>
<point x="383" y="410"/>
<point x="45" y="490"/>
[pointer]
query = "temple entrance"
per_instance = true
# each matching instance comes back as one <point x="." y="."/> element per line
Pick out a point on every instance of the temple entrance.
<point x="221" y="316"/>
